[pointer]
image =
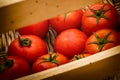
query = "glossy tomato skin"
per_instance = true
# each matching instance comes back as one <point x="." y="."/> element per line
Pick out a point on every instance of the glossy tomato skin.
<point x="89" y="24"/>
<point x="19" y="68"/>
<point x="66" y="21"/>
<point x="40" y="29"/>
<point x="70" y="42"/>
<point x="40" y="64"/>
<point x="30" y="53"/>
<point x="113" y="37"/>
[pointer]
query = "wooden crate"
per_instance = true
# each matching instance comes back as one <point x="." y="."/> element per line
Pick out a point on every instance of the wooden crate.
<point x="32" y="11"/>
<point x="101" y="66"/>
<point x="96" y="67"/>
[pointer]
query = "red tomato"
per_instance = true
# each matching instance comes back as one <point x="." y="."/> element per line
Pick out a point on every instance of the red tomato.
<point x="66" y="21"/>
<point x="80" y="56"/>
<point x="15" y="67"/>
<point x="40" y="29"/>
<point x="101" y="40"/>
<point x="29" y="47"/>
<point x="70" y="42"/>
<point x="99" y="16"/>
<point x="48" y="61"/>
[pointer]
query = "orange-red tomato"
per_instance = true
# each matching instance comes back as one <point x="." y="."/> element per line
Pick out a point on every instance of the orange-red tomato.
<point x="48" y="61"/>
<point x="99" y="16"/>
<point x="101" y="40"/>
<point x="80" y="56"/>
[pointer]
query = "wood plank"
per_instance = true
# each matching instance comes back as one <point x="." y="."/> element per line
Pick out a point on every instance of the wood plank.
<point x="32" y="11"/>
<point x="4" y="3"/>
<point x="95" y="67"/>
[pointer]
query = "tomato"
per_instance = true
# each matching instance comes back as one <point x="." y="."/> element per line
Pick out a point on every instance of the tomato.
<point x="48" y="61"/>
<point x="102" y="40"/>
<point x="29" y="47"/>
<point x="14" y="67"/>
<point x="68" y="20"/>
<point x="80" y="56"/>
<point x="99" y="16"/>
<point x="40" y="29"/>
<point x="70" y="42"/>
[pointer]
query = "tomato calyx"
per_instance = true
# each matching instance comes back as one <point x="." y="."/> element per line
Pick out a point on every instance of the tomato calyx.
<point x="51" y="58"/>
<point x="24" y="41"/>
<point x="101" y="42"/>
<point x="98" y="14"/>
<point x="5" y="64"/>
<point x="76" y="57"/>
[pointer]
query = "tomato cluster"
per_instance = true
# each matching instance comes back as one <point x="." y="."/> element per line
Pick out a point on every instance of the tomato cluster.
<point x="79" y="34"/>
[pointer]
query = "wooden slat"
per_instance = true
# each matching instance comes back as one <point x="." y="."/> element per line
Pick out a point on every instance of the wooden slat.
<point x="103" y="66"/>
<point x="32" y="11"/>
<point x="4" y="3"/>
<point x="95" y="67"/>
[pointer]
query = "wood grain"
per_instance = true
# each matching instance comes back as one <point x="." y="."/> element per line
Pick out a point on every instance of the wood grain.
<point x="4" y="3"/>
<point x="31" y="11"/>
<point x="95" y="67"/>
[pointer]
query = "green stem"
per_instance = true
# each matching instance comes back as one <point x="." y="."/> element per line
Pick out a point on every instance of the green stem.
<point x="51" y="58"/>
<point x="65" y="15"/>
<point x="24" y="41"/>
<point x="101" y="42"/>
<point x="5" y="64"/>
<point x="76" y="57"/>
<point x="98" y="14"/>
